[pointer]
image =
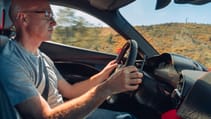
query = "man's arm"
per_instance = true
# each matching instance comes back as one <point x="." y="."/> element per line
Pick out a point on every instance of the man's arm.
<point x="37" y="108"/>
<point x="72" y="91"/>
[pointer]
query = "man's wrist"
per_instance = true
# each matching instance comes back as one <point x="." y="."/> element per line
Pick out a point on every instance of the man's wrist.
<point x="104" y="89"/>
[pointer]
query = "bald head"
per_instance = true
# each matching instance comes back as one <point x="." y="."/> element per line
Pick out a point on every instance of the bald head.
<point x="25" y="5"/>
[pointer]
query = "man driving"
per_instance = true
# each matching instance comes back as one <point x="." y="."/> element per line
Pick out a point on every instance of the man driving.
<point x="26" y="71"/>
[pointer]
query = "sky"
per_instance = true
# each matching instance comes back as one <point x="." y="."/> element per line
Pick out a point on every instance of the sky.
<point x="142" y="12"/>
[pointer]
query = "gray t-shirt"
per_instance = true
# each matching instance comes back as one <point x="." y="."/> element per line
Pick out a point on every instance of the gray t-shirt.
<point x="22" y="74"/>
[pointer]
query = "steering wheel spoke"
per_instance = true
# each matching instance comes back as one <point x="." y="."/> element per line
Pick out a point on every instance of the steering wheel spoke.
<point x="129" y="60"/>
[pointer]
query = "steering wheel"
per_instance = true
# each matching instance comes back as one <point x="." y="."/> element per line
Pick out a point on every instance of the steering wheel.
<point x="132" y="46"/>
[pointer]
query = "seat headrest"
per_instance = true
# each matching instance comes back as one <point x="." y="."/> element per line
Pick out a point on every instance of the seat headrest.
<point x="5" y="21"/>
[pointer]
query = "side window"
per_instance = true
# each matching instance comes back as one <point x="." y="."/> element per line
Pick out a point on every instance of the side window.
<point x="76" y="28"/>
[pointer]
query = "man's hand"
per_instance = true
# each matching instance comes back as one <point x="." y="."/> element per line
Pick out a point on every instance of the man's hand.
<point x="107" y="70"/>
<point x="125" y="79"/>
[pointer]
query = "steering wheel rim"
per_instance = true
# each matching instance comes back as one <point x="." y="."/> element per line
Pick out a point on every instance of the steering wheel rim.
<point x="132" y="46"/>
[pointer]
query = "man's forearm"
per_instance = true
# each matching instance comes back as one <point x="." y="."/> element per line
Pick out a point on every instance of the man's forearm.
<point x="80" y="107"/>
<point x="71" y="91"/>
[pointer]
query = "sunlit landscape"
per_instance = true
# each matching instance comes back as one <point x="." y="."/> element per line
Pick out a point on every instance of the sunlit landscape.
<point x="189" y="39"/>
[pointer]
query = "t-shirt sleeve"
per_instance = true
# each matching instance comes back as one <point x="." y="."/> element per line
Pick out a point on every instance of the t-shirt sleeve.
<point x="58" y="74"/>
<point x="16" y="81"/>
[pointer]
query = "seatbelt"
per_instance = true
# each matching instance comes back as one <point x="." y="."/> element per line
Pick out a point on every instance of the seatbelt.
<point x="46" y="89"/>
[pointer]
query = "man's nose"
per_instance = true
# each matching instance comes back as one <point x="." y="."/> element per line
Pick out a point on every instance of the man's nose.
<point x="52" y="22"/>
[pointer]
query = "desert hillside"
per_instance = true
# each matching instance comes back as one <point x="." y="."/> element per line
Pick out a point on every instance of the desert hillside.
<point x="191" y="40"/>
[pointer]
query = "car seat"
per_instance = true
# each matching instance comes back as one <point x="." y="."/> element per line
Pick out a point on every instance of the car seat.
<point x="7" y="111"/>
<point x="5" y="22"/>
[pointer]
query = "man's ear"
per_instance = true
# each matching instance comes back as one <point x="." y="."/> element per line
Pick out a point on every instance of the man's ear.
<point x="21" y="18"/>
<point x="24" y="19"/>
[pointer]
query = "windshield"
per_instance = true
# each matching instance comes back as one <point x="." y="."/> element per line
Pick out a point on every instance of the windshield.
<point x="178" y="28"/>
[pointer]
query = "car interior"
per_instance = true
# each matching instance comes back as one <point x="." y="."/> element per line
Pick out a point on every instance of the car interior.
<point x="70" y="64"/>
<point x="152" y="98"/>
